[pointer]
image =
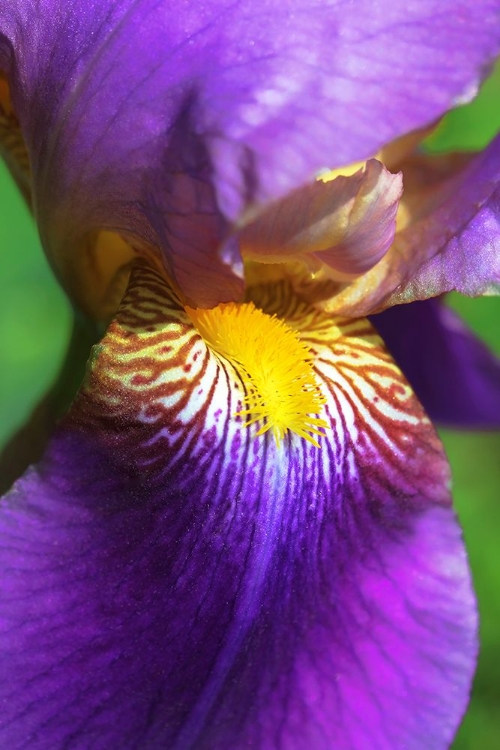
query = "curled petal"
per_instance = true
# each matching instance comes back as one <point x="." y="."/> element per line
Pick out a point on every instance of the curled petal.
<point x="344" y="226"/>
<point x="454" y="375"/>
<point x="450" y="236"/>
<point x="246" y="101"/>
<point x="171" y="579"/>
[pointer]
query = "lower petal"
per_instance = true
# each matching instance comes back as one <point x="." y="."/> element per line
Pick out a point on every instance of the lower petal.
<point x="454" y="375"/>
<point x="173" y="580"/>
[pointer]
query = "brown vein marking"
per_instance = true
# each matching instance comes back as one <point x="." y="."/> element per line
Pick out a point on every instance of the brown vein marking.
<point x="139" y="380"/>
<point x="163" y="397"/>
<point x="387" y="430"/>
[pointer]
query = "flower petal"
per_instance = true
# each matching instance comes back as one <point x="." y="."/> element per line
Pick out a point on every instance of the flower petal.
<point x="344" y="226"/>
<point x="454" y="375"/>
<point x="451" y="241"/>
<point x="172" y="580"/>
<point x="138" y="113"/>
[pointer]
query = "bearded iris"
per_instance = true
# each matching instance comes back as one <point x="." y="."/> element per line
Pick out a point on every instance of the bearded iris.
<point x="241" y="534"/>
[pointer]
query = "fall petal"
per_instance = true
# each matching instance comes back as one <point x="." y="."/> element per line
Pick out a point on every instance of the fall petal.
<point x="171" y="579"/>
<point x="454" y="375"/>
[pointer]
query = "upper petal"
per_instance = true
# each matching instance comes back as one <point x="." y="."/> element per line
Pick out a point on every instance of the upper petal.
<point x="461" y="236"/>
<point x="246" y="101"/>
<point x="451" y="241"/>
<point x="172" y="580"/>
<point x="343" y="226"/>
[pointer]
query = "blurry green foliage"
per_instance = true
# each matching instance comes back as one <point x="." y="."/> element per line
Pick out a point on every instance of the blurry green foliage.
<point x="475" y="461"/>
<point x="475" y="457"/>
<point x="472" y="126"/>
<point x="35" y="316"/>
<point x="35" y="322"/>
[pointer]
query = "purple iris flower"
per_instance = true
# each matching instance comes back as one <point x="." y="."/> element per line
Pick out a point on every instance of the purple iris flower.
<point x="241" y="534"/>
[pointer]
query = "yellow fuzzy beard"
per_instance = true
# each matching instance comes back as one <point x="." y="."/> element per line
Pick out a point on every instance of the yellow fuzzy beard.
<point x="274" y="365"/>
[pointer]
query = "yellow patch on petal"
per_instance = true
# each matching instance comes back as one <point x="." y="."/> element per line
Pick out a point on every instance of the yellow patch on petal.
<point x="274" y="364"/>
<point x="349" y="169"/>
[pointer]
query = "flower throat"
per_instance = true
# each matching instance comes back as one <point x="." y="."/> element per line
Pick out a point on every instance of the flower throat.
<point x="276" y="368"/>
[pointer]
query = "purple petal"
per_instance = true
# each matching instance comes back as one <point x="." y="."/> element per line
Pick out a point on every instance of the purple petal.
<point x="344" y="226"/>
<point x="454" y="375"/>
<point x="461" y="238"/>
<point x="172" y="580"/>
<point x="451" y="241"/>
<point x="137" y="113"/>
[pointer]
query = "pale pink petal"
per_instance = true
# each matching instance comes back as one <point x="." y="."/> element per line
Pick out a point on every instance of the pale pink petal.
<point x="344" y="226"/>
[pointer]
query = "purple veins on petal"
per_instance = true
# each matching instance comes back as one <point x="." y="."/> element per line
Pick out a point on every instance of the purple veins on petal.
<point x="171" y="576"/>
<point x="163" y="590"/>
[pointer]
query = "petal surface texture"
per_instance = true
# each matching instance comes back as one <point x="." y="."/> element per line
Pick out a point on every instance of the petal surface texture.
<point x="171" y="579"/>
<point x="140" y="113"/>
<point x="455" y="376"/>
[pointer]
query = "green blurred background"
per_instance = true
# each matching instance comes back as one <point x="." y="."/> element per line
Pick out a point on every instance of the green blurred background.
<point x="36" y="321"/>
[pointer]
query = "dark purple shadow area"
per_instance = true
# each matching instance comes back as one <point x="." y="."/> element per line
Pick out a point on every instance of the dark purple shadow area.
<point x="455" y="376"/>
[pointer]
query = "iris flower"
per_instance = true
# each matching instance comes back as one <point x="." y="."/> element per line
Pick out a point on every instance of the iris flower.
<point x="241" y="534"/>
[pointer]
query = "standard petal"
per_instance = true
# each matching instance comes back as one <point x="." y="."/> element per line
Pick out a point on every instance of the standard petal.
<point x="172" y="580"/>
<point x="454" y="375"/>
<point x="343" y="227"/>
<point x="449" y="241"/>
<point x="139" y="113"/>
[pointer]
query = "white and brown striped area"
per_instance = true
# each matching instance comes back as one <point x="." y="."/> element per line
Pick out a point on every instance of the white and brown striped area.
<point x="167" y="400"/>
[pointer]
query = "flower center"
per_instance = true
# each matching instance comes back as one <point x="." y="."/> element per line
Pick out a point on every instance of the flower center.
<point x="275" y="366"/>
